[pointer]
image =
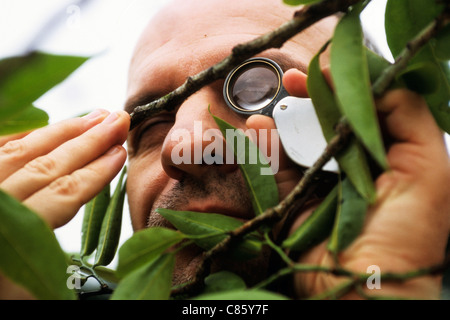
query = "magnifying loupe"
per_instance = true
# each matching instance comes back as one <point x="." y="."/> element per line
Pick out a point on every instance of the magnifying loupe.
<point x="255" y="87"/>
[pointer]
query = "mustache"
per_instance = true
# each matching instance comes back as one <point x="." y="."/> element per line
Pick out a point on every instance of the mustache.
<point x="227" y="189"/>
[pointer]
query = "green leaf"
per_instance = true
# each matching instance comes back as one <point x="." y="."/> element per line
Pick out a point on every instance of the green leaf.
<point x="251" y="294"/>
<point x="111" y="225"/>
<point x="261" y="184"/>
<point x="421" y="77"/>
<point x="317" y="226"/>
<point x="149" y="282"/>
<point x="352" y="160"/>
<point x="438" y="101"/>
<point x="376" y="64"/>
<point x="24" y="79"/>
<point x="26" y="119"/>
<point x="351" y="79"/>
<point x="404" y="19"/>
<point x="223" y="281"/>
<point x="299" y="2"/>
<point x="94" y="212"/>
<point x="145" y="246"/>
<point x="442" y="44"/>
<point x="208" y="229"/>
<point x="30" y="254"/>
<point x="349" y="219"/>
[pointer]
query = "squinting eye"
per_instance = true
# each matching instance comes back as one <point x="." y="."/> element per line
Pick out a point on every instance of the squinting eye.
<point x="152" y="133"/>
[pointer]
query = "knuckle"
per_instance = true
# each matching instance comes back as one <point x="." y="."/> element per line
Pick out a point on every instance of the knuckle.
<point x="13" y="149"/>
<point x="42" y="166"/>
<point x="66" y="185"/>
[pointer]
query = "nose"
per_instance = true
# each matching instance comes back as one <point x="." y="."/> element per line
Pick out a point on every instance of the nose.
<point x="195" y="144"/>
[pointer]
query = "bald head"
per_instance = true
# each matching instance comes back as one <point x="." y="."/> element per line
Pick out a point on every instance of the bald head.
<point x="196" y="34"/>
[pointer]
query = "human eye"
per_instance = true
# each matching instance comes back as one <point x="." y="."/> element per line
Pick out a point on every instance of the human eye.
<point x="151" y="133"/>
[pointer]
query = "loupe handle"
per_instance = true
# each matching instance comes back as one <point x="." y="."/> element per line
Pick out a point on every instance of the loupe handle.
<point x="300" y="132"/>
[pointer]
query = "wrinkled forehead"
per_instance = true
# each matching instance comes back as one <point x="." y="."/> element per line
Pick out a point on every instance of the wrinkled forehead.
<point x="186" y="20"/>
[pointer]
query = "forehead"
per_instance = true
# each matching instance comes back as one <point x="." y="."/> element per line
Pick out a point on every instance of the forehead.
<point x="189" y="36"/>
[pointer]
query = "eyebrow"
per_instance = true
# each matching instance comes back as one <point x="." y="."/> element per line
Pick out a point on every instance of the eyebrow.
<point x="283" y="60"/>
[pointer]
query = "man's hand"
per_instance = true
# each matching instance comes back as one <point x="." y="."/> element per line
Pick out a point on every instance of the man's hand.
<point x="408" y="226"/>
<point x="56" y="169"/>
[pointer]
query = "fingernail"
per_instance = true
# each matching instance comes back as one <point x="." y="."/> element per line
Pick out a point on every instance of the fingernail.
<point x="113" y="151"/>
<point x="94" y="114"/>
<point x="111" y="118"/>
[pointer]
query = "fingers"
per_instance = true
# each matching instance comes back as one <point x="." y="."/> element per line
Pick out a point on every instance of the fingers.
<point x="417" y="147"/>
<point x="16" y="153"/>
<point x="66" y="158"/>
<point x="56" y="169"/>
<point x="68" y="193"/>
<point x="407" y="117"/>
<point x="8" y="138"/>
<point x="287" y="175"/>
<point x="294" y="81"/>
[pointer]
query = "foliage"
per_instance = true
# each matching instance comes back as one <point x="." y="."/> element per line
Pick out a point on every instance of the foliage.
<point x="146" y="260"/>
<point x="23" y="80"/>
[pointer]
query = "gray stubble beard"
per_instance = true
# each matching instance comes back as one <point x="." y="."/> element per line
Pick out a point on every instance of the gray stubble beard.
<point x="229" y="188"/>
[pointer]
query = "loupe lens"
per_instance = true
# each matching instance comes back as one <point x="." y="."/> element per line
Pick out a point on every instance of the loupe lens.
<point x="253" y="86"/>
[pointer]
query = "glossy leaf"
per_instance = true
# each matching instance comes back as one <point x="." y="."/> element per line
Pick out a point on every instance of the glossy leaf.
<point x="422" y="77"/>
<point x="351" y="79"/>
<point x="27" y="119"/>
<point x="376" y="63"/>
<point x="262" y="187"/>
<point x="223" y="281"/>
<point x="352" y="160"/>
<point x="111" y="225"/>
<point x="149" y="282"/>
<point x="208" y="229"/>
<point x="442" y="44"/>
<point x="438" y="101"/>
<point x="30" y="253"/>
<point x="404" y="19"/>
<point x="25" y="79"/>
<point x="145" y="246"/>
<point x="349" y="219"/>
<point x="94" y="212"/>
<point x="251" y="294"/>
<point x="317" y="227"/>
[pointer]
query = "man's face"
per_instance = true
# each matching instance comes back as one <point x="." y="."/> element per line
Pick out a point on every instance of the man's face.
<point x="182" y="40"/>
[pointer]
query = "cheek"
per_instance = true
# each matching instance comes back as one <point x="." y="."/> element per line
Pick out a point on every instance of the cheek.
<point x="145" y="181"/>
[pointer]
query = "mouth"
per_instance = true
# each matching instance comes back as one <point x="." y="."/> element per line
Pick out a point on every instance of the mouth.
<point x="239" y="213"/>
<point x="225" y="195"/>
<point x="233" y="212"/>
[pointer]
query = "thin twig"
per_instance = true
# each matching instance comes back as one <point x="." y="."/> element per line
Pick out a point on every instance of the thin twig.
<point x="412" y="47"/>
<point x="344" y="131"/>
<point x="304" y="18"/>
<point x="271" y="215"/>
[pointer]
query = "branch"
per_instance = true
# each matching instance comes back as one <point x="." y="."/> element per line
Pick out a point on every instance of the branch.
<point x="302" y="19"/>
<point x="271" y="215"/>
<point x="275" y="214"/>
<point x="412" y="47"/>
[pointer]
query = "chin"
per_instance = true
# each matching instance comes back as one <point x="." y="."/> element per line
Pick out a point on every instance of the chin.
<point x="189" y="260"/>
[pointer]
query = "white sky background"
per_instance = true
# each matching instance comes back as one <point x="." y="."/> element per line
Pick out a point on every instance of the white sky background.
<point x="107" y="29"/>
